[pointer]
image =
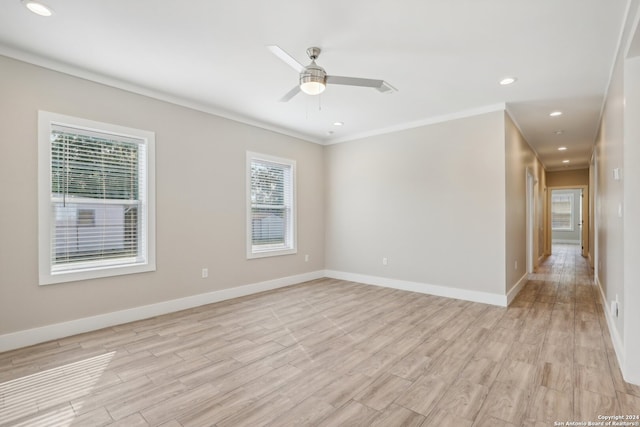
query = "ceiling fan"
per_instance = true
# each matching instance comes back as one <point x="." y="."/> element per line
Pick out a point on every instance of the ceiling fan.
<point x="313" y="78"/>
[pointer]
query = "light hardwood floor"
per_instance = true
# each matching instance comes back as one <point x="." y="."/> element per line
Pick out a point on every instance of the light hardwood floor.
<point x="335" y="353"/>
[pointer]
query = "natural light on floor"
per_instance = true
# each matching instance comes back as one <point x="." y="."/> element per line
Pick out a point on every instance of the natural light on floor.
<point x="44" y="391"/>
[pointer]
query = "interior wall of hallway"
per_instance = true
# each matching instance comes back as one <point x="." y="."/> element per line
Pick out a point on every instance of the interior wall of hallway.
<point x="568" y="178"/>
<point x="521" y="160"/>
<point x="631" y="213"/>
<point x="609" y="196"/>
<point x="617" y="182"/>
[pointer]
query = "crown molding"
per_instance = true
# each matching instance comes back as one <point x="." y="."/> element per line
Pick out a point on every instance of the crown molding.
<point x="92" y="76"/>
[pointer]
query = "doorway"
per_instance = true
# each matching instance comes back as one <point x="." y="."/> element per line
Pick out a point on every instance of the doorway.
<point x="568" y="217"/>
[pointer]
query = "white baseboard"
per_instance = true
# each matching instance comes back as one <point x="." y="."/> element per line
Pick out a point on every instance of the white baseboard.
<point x="513" y="293"/>
<point x="424" y="288"/>
<point x="41" y="334"/>
<point x="613" y="331"/>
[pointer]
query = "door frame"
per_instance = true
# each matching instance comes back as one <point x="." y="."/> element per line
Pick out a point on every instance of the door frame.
<point x="585" y="216"/>
<point x="530" y="210"/>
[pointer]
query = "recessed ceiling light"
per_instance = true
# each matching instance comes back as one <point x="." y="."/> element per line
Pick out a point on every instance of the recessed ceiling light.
<point x="556" y="113"/>
<point x="562" y="148"/>
<point x="559" y="132"/>
<point x="508" y="80"/>
<point x="566" y="161"/>
<point x="38" y="8"/>
<point x="338" y="123"/>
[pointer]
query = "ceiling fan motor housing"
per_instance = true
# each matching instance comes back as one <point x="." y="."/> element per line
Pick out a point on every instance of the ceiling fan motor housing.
<point x="313" y="73"/>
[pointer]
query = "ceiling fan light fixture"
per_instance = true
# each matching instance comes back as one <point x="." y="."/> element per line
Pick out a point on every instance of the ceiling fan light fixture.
<point x="311" y="87"/>
<point x="37" y="7"/>
<point x="313" y="80"/>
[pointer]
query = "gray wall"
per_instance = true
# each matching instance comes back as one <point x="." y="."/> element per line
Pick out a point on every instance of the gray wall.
<point x="429" y="199"/>
<point x="200" y="200"/>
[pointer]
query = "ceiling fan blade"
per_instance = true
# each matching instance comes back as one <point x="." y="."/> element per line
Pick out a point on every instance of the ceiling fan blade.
<point x="277" y="51"/>
<point x="293" y="92"/>
<point x="380" y="85"/>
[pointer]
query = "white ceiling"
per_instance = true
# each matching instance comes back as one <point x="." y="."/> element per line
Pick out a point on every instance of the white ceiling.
<point x="445" y="57"/>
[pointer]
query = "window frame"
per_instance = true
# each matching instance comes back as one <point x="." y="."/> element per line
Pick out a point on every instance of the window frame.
<point x="98" y="268"/>
<point x="291" y="245"/>
<point x="571" y="226"/>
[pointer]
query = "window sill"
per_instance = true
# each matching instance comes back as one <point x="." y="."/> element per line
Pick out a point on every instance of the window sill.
<point x="270" y="253"/>
<point x="51" y="278"/>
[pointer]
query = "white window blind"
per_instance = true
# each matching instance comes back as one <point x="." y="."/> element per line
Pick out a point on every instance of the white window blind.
<point x="562" y="212"/>
<point x="271" y="210"/>
<point x="98" y="213"/>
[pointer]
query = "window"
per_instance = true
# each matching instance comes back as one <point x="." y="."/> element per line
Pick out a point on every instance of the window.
<point x="271" y="213"/>
<point x="96" y="199"/>
<point x="562" y="211"/>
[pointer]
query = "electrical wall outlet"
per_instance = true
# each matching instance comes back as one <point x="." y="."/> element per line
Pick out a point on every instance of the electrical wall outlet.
<point x="306" y="258"/>
<point x="385" y="261"/>
<point x="205" y="273"/>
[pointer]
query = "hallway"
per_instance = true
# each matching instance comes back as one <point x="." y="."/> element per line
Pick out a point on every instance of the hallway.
<point x="579" y="374"/>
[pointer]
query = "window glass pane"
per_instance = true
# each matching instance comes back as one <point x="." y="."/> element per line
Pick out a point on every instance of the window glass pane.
<point x="562" y="212"/>
<point x="271" y="205"/>
<point x="94" y="231"/>
<point x="83" y="166"/>
<point x="268" y="225"/>
<point x="267" y="183"/>
<point x="267" y="203"/>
